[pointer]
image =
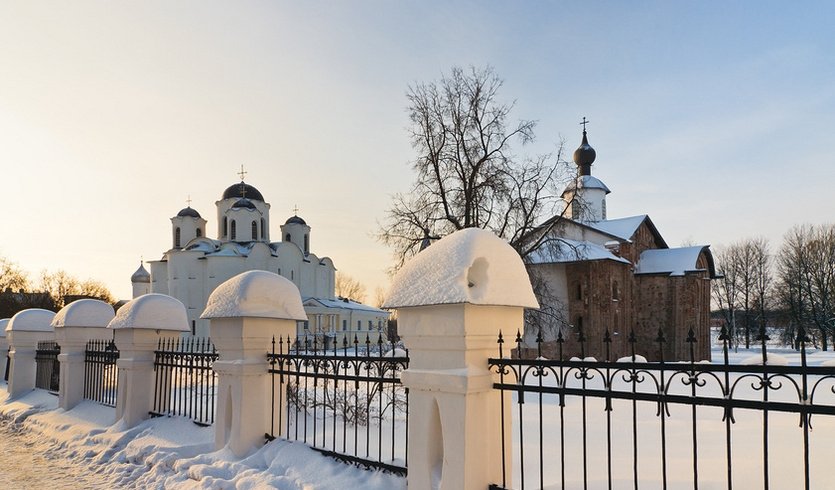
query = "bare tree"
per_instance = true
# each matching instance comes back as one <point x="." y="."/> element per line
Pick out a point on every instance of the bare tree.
<point x="60" y="285"/>
<point x="12" y="277"/>
<point x="724" y="289"/>
<point x="348" y="287"/>
<point x="467" y="174"/>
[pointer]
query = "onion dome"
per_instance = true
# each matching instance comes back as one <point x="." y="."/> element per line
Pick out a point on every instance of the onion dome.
<point x="295" y="220"/>
<point x="244" y="203"/>
<point x="584" y="156"/>
<point x="242" y="190"/>
<point x="141" y="275"/>
<point x="189" y="212"/>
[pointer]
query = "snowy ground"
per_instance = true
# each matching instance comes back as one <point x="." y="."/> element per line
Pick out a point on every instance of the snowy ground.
<point x="174" y="453"/>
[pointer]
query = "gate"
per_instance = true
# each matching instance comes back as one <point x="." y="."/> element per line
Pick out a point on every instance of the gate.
<point x="48" y="369"/>
<point x="101" y="378"/>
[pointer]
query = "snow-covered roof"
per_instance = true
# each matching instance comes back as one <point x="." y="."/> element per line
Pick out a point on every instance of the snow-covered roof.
<point x="347" y="304"/>
<point x="563" y="250"/>
<point x="3" y="323"/>
<point x="469" y="266"/>
<point x="154" y="311"/>
<point x="624" y="228"/>
<point x="31" y="320"/>
<point x="256" y="294"/>
<point x="673" y="261"/>
<point x="586" y="182"/>
<point x="84" y="313"/>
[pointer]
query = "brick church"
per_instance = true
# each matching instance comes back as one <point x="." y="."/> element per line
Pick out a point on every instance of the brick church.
<point x="595" y="274"/>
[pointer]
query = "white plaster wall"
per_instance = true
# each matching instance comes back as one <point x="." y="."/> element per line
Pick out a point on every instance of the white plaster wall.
<point x="297" y="232"/>
<point x="159" y="277"/>
<point x="188" y="229"/>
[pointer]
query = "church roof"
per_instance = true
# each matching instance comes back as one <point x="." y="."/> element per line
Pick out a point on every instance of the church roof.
<point x="347" y="304"/>
<point x="625" y="228"/>
<point x="295" y="219"/>
<point x="244" y="203"/>
<point x="141" y="275"/>
<point x="238" y="190"/>
<point x="586" y="182"/>
<point x="674" y="261"/>
<point x="563" y="250"/>
<point x="189" y="212"/>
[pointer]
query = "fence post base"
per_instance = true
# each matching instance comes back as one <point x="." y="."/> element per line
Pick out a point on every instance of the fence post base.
<point x="73" y="341"/>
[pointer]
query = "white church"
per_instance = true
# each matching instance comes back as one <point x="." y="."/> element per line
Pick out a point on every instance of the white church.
<point x="196" y="264"/>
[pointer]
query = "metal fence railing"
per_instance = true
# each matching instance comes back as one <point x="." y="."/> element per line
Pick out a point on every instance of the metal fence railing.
<point x="585" y="423"/>
<point x="346" y="402"/>
<point x="47" y="371"/>
<point x="185" y="384"/>
<point x="101" y="377"/>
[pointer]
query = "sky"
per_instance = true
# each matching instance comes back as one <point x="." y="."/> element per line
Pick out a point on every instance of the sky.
<point x="712" y="117"/>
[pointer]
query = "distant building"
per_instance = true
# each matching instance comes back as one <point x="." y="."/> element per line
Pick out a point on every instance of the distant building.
<point x="597" y="274"/>
<point x="196" y="264"/>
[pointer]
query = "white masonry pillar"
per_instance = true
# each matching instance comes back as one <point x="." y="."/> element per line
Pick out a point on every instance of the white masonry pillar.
<point x="24" y="331"/>
<point x="452" y="299"/>
<point x="138" y="327"/>
<point x="76" y="324"/>
<point x="246" y="313"/>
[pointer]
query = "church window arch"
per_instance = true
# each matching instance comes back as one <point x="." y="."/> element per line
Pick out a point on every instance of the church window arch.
<point x="263" y="229"/>
<point x="225" y="227"/>
<point x="306" y="243"/>
<point x="177" y="237"/>
<point x="615" y="291"/>
<point x="287" y="237"/>
<point x="199" y="233"/>
<point x="254" y="230"/>
<point x="233" y="230"/>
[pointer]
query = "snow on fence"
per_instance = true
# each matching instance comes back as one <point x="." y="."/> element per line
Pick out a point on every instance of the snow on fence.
<point x="185" y="383"/>
<point x="631" y="423"/>
<point x="47" y="368"/>
<point x="346" y="402"/>
<point x="100" y="373"/>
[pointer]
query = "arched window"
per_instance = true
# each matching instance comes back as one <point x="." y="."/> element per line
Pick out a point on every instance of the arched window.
<point x="177" y="237"/>
<point x="254" y="230"/>
<point x="225" y="227"/>
<point x="263" y="228"/>
<point x="615" y="291"/>
<point x="199" y="233"/>
<point x="306" y="243"/>
<point x="579" y="291"/>
<point x="234" y="230"/>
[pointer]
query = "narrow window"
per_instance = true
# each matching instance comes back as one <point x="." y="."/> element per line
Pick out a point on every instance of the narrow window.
<point x="234" y="230"/>
<point x="225" y="227"/>
<point x="287" y="237"/>
<point x="615" y="291"/>
<point x="292" y="275"/>
<point x="359" y="325"/>
<point x="254" y="230"/>
<point x="177" y="237"/>
<point x="193" y="327"/>
<point x="306" y="325"/>
<point x="306" y="244"/>
<point x="344" y="325"/>
<point x="370" y="325"/>
<point x="263" y="229"/>
<point x="199" y="233"/>
<point x="579" y="290"/>
<point x="279" y="271"/>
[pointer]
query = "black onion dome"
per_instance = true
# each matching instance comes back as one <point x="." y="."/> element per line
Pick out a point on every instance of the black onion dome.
<point x="189" y="212"/>
<point x="295" y="220"/>
<point x="584" y="156"/>
<point x="237" y="190"/>
<point x="244" y="203"/>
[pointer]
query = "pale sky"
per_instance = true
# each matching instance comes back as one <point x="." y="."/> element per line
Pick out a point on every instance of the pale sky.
<point x="715" y="118"/>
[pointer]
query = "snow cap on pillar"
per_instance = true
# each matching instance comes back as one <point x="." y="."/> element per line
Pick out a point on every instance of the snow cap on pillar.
<point x="3" y="324"/>
<point x="469" y="266"/>
<point x="152" y="311"/>
<point x="84" y="313"/>
<point x="31" y="320"/>
<point x="259" y="294"/>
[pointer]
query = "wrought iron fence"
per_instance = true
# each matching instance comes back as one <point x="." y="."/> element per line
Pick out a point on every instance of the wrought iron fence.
<point x="8" y="361"/>
<point x="101" y="377"/>
<point x="47" y="371"/>
<point x="346" y="402"/>
<point x="185" y="384"/>
<point x="693" y="404"/>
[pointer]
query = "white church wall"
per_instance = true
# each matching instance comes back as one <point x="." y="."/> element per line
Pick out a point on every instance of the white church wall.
<point x="159" y="277"/>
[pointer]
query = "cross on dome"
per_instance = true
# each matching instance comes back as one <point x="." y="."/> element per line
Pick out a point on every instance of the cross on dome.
<point x="296" y="210"/>
<point x="188" y="200"/>
<point x="242" y="173"/>
<point x="584" y="123"/>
